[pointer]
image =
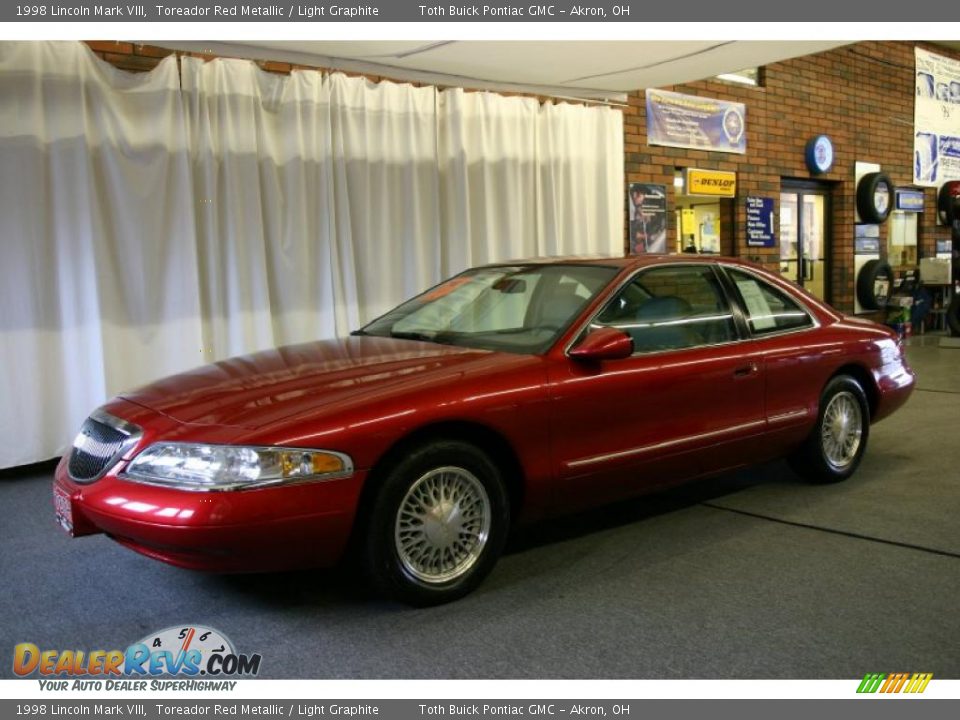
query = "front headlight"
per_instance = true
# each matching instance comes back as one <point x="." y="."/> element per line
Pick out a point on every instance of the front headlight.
<point x="192" y="466"/>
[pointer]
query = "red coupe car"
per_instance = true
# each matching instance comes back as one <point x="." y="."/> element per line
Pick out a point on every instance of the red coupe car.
<point x="506" y="394"/>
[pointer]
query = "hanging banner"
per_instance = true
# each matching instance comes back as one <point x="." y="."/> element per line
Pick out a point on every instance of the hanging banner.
<point x="688" y="121"/>
<point x="648" y="218"/>
<point x="936" y="120"/>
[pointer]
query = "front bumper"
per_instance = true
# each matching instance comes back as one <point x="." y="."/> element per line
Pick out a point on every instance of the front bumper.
<point x="275" y="528"/>
<point x="895" y="384"/>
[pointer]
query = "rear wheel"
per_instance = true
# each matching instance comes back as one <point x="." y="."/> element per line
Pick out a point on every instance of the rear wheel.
<point x="836" y="444"/>
<point x="437" y="524"/>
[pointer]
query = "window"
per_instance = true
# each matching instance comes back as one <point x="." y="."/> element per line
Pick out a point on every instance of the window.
<point x="768" y="308"/>
<point x="670" y="308"/>
<point x="502" y="306"/>
<point x="516" y="308"/>
<point x="748" y="76"/>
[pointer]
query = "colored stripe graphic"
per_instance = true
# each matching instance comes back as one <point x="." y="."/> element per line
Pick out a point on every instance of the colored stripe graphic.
<point x="871" y="681"/>
<point x="894" y="682"/>
<point x="919" y="682"/>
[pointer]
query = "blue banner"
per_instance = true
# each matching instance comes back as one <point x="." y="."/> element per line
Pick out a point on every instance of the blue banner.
<point x="688" y="121"/>
<point x="760" y="228"/>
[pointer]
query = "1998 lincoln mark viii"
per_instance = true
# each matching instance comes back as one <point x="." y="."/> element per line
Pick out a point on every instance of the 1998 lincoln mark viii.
<point x="506" y="394"/>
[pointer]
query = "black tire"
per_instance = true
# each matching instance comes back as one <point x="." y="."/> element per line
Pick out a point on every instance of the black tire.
<point x="866" y="189"/>
<point x="816" y="461"/>
<point x="392" y="569"/>
<point x="953" y="316"/>
<point x="866" y="280"/>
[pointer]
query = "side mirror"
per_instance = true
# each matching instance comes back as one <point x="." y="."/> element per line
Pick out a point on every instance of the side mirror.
<point x="605" y="343"/>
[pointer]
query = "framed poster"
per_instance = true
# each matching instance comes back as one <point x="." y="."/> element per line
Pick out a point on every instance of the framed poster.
<point x="647" y="205"/>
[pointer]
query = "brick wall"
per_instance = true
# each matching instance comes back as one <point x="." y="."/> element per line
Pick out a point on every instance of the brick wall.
<point x="860" y="95"/>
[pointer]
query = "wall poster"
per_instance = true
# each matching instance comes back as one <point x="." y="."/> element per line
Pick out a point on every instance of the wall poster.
<point x="936" y="119"/>
<point x="648" y="218"/>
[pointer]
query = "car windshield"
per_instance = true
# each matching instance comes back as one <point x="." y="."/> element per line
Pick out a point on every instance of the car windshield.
<point x="514" y="308"/>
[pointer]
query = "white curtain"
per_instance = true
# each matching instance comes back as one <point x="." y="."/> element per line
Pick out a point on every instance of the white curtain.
<point x="488" y="161"/>
<point x="581" y="186"/>
<point x="385" y="197"/>
<point x="260" y="148"/>
<point x="146" y="229"/>
<point x="98" y="274"/>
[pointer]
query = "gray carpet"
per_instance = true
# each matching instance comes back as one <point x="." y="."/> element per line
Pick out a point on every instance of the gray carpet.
<point x="753" y="575"/>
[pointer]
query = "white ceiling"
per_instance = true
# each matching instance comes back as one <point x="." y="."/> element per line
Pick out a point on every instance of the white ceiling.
<point x="588" y="69"/>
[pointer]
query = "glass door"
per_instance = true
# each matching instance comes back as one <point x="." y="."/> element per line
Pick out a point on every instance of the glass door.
<point x="804" y="237"/>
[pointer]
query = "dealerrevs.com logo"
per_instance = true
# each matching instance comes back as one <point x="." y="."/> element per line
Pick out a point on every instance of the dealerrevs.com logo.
<point x="201" y="658"/>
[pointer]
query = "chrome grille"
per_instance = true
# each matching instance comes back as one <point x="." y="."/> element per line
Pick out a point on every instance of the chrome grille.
<point x="99" y="444"/>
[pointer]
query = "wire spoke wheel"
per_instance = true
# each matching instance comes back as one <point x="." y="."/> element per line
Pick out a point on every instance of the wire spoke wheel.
<point x="841" y="430"/>
<point x="442" y="525"/>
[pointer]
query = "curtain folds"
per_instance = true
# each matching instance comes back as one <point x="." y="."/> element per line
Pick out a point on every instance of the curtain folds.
<point x="157" y="221"/>
<point x="99" y="282"/>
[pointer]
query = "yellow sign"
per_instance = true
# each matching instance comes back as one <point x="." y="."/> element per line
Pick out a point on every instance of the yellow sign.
<point x="717" y="183"/>
<point x="688" y="221"/>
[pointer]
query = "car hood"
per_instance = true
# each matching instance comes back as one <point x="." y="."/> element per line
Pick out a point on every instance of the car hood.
<point x="253" y="391"/>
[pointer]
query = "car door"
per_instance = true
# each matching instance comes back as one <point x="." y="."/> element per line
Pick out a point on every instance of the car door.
<point x="688" y="401"/>
<point x="796" y="367"/>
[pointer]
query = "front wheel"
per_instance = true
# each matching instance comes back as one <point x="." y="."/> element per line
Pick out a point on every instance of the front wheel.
<point x="836" y="444"/>
<point x="437" y="524"/>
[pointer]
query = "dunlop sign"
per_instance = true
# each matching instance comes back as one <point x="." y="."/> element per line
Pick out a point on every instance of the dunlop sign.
<point x="711" y="182"/>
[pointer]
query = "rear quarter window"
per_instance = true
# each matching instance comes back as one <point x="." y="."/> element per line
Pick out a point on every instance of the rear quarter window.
<point x="768" y="309"/>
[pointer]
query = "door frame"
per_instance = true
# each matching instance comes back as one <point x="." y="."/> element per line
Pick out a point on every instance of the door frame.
<point x="800" y="187"/>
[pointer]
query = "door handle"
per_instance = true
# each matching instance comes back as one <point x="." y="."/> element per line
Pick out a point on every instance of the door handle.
<point x="745" y="370"/>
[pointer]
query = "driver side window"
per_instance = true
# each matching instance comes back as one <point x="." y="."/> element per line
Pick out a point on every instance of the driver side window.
<point x="671" y="308"/>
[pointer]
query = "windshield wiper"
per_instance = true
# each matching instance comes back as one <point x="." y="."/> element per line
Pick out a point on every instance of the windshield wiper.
<point x="435" y="337"/>
<point x="412" y="335"/>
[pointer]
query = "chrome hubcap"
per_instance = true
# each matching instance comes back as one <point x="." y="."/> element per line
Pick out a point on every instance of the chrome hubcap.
<point x="842" y="430"/>
<point x="442" y="525"/>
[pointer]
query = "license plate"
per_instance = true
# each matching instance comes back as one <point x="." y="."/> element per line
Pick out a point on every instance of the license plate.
<point x="63" y="509"/>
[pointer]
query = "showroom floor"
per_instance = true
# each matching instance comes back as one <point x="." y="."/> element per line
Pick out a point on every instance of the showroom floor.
<point x="753" y="575"/>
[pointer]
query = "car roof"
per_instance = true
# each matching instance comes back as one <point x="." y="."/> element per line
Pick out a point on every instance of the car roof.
<point x="629" y="261"/>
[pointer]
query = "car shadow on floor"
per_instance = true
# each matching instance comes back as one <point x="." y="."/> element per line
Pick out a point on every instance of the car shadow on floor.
<point x="343" y="585"/>
<point x="647" y="506"/>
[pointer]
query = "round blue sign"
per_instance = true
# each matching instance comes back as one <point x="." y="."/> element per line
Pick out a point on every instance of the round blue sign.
<point x="819" y="154"/>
